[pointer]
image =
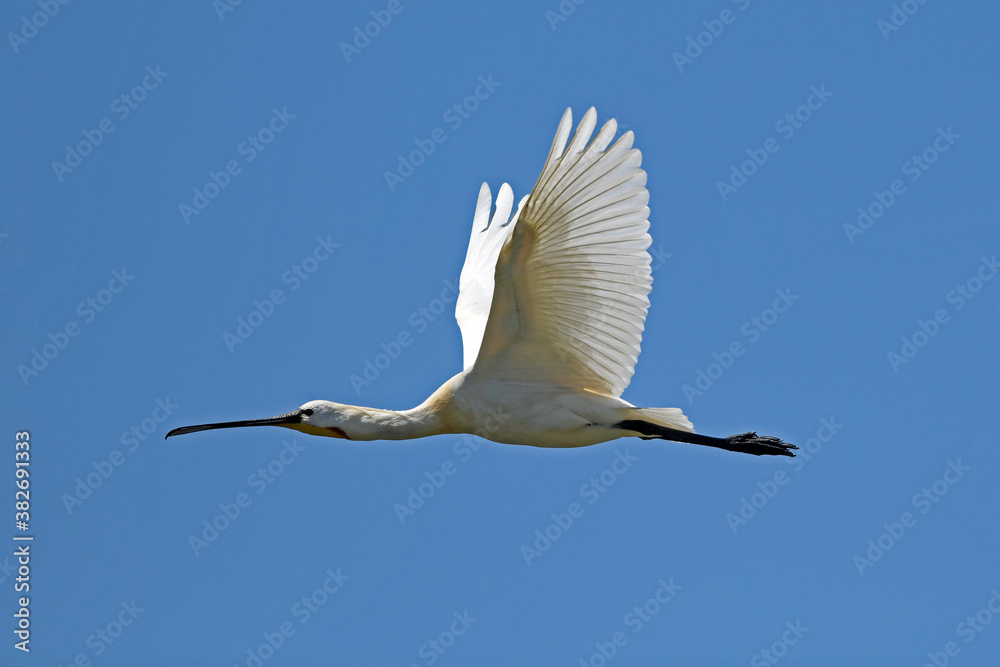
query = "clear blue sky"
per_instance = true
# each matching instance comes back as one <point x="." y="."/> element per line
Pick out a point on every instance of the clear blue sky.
<point x="215" y="159"/>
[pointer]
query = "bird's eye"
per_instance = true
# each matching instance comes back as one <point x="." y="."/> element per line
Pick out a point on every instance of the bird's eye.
<point x="308" y="412"/>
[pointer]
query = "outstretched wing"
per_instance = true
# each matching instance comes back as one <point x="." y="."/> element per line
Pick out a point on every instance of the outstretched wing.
<point x="573" y="277"/>
<point x="476" y="282"/>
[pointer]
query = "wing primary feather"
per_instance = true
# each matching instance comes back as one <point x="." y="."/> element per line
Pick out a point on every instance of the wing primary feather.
<point x="572" y="278"/>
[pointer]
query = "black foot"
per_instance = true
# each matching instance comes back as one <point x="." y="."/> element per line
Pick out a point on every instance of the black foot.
<point x="751" y="443"/>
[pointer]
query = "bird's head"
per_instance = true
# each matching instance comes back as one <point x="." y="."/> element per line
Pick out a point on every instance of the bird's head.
<point x="324" y="418"/>
<point x="315" y="418"/>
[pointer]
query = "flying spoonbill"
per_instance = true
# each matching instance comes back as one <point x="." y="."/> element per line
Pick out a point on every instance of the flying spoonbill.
<point x="552" y="304"/>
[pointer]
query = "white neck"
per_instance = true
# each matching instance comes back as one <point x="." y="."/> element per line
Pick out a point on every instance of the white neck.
<point x="378" y="424"/>
<point x="434" y="416"/>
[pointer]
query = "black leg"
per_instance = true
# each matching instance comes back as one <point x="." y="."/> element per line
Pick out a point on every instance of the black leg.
<point x="747" y="443"/>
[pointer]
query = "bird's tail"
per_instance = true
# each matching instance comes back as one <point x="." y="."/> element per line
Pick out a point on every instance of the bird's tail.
<point x="668" y="417"/>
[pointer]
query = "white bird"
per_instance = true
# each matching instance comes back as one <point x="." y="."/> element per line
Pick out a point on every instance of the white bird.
<point x="552" y="305"/>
